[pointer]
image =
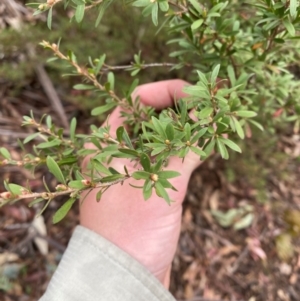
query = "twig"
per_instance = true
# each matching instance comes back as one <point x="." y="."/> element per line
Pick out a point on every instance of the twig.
<point x="15" y="134"/>
<point x="93" y="4"/>
<point x="212" y="234"/>
<point x="238" y="261"/>
<point x="144" y="66"/>
<point x="6" y="197"/>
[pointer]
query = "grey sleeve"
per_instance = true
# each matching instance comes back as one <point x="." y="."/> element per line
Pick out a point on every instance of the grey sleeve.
<point x="92" y="268"/>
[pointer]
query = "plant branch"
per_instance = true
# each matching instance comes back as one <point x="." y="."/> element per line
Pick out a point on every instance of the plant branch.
<point x="6" y="197"/>
<point x="144" y="66"/>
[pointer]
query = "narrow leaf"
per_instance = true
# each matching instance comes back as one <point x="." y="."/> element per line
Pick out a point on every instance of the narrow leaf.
<point x="63" y="210"/>
<point x="77" y="184"/>
<point x="238" y="128"/>
<point x="55" y="170"/>
<point x="49" y="18"/>
<point x="230" y="144"/>
<point x="119" y="133"/>
<point x="154" y="14"/>
<point x="161" y="192"/>
<point x="112" y="178"/>
<point x="103" y="109"/>
<point x="5" y="153"/>
<point x="198" y="151"/>
<point x="246" y="114"/>
<point x="168" y="174"/>
<point x="147" y="190"/>
<point x="30" y="137"/>
<point x="139" y="175"/>
<point x="170" y="131"/>
<point x="145" y="162"/>
<point x="222" y="149"/>
<point x="127" y="139"/>
<point x="79" y="13"/>
<point x="73" y="125"/>
<point x="214" y="74"/>
<point x="49" y="144"/>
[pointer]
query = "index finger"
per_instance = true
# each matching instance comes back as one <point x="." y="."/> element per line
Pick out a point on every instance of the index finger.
<point x="161" y="94"/>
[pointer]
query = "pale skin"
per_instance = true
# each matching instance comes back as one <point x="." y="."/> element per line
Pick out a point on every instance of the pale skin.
<point x="146" y="230"/>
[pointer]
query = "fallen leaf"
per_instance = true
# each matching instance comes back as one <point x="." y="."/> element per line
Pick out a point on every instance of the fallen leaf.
<point x="38" y="225"/>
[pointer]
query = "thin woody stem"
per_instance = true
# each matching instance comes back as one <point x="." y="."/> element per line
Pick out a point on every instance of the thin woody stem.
<point x="144" y="66"/>
<point x="52" y="195"/>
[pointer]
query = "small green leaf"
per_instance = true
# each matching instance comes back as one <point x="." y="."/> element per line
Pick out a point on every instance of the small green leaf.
<point x="113" y="171"/>
<point x="154" y="14"/>
<point x="230" y="144"/>
<point x="119" y="133"/>
<point x="139" y="175"/>
<point x="145" y="132"/>
<point x="246" y="114"/>
<point x="73" y="125"/>
<point x="111" y="80"/>
<point x="100" y="64"/>
<point x="112" y="178"/>
<point x="55" y="170"/>
<point x="238" y="128"/>
<point x="293" y="9"/>
<point x="198" y="135"/>
<point x="30" y="137"/>
<point x="63" y="210"/>
<point x="222" y="149"/>
<point x="198" y="151"/>
<point x="289" y="27"/>
<point x="79" y="13"/>
<point x="258" y="125"/>
<point x="197" y="24"/>
<point x="159" y="127"/>
<point x="49" y="144"/>
<point x="168" y="174"/>
<point x="157" y="166"/>
<point x="103" y="109"/>
<point x="77" y="184"/>
<point x="36" y="201"/>
<point x="205" y="112"/>
<point x="196" y="5"/>
<point x="187" y="130"/>
<point x="214" y="74"/>
<point x="170" y="131"/>
<point x="166" y="184"/>
<point x="161" y="192"/>
<point x="98" y="195"/>
<point x="145" y="162"/>
<point x="158" y="150"/>
<point x="49" y="18"/>
<point x="164" y="6"/>
<point x="83" y="87"/>
<point x="131" y="152"/>
<point x="147" y="189"/>
<point x="210" y="147"/>
<point x="15" y="189"/>
<point x="127" y="139"/>
<point x="5" y="153"/>
<point x="99" y="167"/>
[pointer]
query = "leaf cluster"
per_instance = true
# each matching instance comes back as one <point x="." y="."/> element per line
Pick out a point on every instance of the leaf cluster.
<point x="239" y="55"/>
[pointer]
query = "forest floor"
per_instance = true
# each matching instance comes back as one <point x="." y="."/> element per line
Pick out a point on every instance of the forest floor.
<point x="238" y="216"/>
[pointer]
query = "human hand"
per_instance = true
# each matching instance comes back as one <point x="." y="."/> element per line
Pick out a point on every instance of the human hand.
<point x="146" y="230"/>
